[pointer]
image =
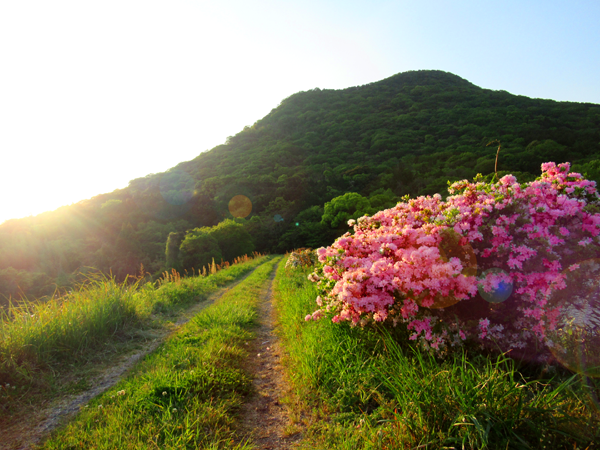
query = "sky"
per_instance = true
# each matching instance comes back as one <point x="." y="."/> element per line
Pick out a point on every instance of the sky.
<point x="94" y="94"/>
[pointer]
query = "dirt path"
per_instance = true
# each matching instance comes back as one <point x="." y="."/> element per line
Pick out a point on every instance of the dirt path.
<point x="265" y="419"/>
<point x="33" y="428"/>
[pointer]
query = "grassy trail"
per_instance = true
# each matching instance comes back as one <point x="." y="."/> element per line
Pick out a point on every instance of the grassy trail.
<point x="368" y="389"/>
<point x="266" y="418"/>
<point x="187" y="393"/>
<point x="31" y="410"/>
<point x="211" y="386"/>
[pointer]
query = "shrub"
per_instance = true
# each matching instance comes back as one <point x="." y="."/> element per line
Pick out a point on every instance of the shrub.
<point x="418" y="263"/>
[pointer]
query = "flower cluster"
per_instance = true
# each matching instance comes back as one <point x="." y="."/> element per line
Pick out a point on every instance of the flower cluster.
<point x="418" y="262"/>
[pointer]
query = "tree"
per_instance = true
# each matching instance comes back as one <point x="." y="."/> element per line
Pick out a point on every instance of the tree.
<point x="172" y="251"/>
<point x="232" y="238"/>
<point x="198" y="249"/>
<point x="340" y="209"/>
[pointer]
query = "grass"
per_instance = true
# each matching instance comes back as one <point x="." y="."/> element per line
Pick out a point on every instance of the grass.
<point x="44" y="341"/>
<point x="184" y="395"/>
<point x="367" y="389"/>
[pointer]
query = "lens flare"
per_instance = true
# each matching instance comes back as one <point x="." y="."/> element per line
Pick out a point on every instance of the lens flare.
<point x="240" y="206"/>
<point x="451" y="247"/>
<point x="574" y="336"/>
<point x="495" y="285"/>
<point x="278" y="218"/>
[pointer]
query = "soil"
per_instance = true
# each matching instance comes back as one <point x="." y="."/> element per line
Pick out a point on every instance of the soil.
<point x="28" y="428"/>
<point x="265" y="418"/>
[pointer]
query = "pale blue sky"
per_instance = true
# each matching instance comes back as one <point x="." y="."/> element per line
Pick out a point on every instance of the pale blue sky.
<point x="94" y="94"/>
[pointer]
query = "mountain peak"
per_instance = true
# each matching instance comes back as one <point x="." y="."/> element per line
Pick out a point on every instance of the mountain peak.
<point x="425" y="78"/>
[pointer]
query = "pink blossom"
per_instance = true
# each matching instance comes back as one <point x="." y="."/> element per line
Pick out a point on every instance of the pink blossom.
<point x="585" y="242"/>
<point x="390" y="268"/>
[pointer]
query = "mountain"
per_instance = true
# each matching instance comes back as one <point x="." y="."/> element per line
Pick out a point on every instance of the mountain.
<point x="407" y="134"/>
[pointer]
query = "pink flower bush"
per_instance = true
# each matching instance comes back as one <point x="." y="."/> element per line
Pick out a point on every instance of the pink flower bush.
<point x="417" y="263"/>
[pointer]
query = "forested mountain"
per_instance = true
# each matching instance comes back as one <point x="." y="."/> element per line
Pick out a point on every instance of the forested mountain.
<point x="363" y="146"/>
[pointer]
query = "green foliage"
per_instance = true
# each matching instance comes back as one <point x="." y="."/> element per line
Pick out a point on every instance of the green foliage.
<point x="22" y="285"/>
<point x="198" y="249"/>
<point x="382" y="199"/>
<point x="339" y="210"/>
<point x="590" y="170"/>
<point x="172" y="251"/>
<point x="232" y="238"/>
<point x="307" y="231"/>
<point x="227" y="240"/>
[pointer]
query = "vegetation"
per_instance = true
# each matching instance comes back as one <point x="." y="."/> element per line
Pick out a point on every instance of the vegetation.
<point x="320" y="159"/>
<point x="43" y="341"/>
<point x="368" y="389"/>
<point x="407" y="134"/>
<point x="227" y="240"/>
<point x="504" y="263"/>
<point x="184" y="395"/>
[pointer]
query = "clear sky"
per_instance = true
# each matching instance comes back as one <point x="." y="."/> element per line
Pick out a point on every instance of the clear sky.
<point x="94" y="94"/>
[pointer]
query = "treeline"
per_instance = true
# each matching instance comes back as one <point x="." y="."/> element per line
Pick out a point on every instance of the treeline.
<point x="316" y="160"/>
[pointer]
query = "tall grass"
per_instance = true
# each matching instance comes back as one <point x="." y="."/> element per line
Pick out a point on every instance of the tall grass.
<point x="186" y="394"/>
<point x="377" y="392"/>
<point x="63" y="327"/>
<point x="69" y="327"/>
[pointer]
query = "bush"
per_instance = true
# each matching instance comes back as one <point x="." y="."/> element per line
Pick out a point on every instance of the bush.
<point x="431" y="264"/>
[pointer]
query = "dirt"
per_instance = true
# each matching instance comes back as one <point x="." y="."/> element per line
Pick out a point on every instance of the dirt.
<point x="30" y="428"/>
<point x="265" y="419"/>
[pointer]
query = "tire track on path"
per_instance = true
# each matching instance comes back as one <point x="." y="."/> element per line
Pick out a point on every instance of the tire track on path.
<point x="265" y="418"/>
<point x="26" y="435"/>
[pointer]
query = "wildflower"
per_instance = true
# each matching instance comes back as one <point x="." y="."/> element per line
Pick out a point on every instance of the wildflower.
<point x="164" y="393"/>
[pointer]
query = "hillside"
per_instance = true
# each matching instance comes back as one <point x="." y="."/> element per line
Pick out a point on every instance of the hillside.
<point x="407" y="134"/>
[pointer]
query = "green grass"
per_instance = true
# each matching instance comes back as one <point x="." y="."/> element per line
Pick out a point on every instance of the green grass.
<point x="45" y="339"/>
<point x="184" y="395"/>
<point x="368" y="391"/>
